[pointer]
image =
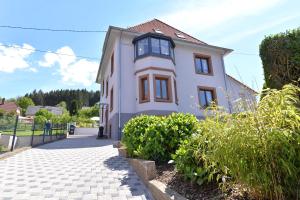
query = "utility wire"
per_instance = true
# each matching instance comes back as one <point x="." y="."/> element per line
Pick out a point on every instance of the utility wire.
<point x="53" y="30"/>
<point x="45" y="51"/>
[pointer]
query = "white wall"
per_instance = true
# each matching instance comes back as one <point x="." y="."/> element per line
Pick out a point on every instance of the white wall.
<point x="187" y="80"/>
<point x="241" y="97"/>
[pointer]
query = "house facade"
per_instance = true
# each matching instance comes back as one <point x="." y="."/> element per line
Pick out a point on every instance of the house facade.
<point x="154" y="68"/>
<point x="31" y="110"/>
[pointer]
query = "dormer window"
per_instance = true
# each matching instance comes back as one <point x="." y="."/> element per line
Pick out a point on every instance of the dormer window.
<point x="157" y="30"/>
<point x="180" y="35"/>
<point x="151" y="44"/>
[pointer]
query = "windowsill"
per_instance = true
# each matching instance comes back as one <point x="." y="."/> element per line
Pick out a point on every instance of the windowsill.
<point x="163" y="100"/>
<point x="144" y="101"/>
<point x="154" y="55"/>
<point x="205" y="74"/>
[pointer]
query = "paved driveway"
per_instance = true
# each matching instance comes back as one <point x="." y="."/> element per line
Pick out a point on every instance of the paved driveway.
<point x="80" y="167"/>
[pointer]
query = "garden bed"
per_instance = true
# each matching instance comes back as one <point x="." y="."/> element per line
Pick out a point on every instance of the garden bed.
<point x="168" y="175"/>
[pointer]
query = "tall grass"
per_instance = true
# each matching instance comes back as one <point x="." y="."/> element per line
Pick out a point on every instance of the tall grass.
<point x="258" y="149"/>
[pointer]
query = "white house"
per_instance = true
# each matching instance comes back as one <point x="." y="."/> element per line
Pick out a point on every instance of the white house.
<point x="154" y="68"/>
<point x="31" y="110"/>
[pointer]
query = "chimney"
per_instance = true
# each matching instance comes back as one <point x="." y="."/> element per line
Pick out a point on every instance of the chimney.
<point x="2" y="102"/>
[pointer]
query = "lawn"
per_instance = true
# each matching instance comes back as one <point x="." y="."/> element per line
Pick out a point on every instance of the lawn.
<point x="23" y="132"/>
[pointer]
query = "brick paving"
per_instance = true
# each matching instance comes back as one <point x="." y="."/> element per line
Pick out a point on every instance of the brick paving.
<point x="80" y="167"/>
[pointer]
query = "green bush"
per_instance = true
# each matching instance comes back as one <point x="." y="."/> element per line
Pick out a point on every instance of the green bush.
<point x="280" y="55"/>
<point x="156" y="138"/>
<point x="259" y="149"/>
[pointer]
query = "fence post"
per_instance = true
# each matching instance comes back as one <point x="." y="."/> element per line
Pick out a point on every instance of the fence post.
<point x="33" y="128"/>
<point x="15" y="132"/>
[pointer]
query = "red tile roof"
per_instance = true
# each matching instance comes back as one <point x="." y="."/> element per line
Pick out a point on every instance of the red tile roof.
<point x="166" y="29"/>
<point x="9" y="107"/>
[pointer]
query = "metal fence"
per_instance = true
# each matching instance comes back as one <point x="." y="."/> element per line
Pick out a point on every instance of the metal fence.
<point x="17" y="132"/>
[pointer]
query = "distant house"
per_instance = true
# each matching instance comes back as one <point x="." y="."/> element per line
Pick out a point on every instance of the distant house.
<point x="9" y="107"/>
<point x="31" y="110"/>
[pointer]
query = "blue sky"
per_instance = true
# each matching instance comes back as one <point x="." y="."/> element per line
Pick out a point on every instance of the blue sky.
<point x="235" y="24"/>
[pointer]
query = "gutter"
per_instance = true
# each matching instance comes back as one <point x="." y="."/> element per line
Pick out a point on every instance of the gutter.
<point x="119" y="85"/>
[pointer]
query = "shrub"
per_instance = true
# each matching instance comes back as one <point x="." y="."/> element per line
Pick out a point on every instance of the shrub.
<point x="156" y="138"/>
<point x="259" y="149"/>
<point x="280" y="55"/>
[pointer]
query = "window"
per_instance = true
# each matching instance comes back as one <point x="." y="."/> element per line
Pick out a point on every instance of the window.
<point x="175" y="90"/>
<point x="144" y="89"/>
<point x="162" y="88"/>
<point x="206" y="96"/>
<point x="160" y="46"/>
<point x="203" y="64"/>
<point x="153" y="44"/>
<point x="157" y="30"/>
<point x="165" y="49"/>
<point x="142" y="47"/>
<point x="111" y="99"/>
<point x="112" y="63"/>
<point x="180" y="35"/>
<point x="103" y="87"/>
<point x="106" y="88"/>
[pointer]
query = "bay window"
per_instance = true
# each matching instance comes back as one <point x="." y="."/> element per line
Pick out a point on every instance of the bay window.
<point x="151" y="44"/>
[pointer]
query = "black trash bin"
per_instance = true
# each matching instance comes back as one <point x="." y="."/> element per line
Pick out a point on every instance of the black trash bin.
<point x="72" y="129"/>
<point x="100" y="132"/>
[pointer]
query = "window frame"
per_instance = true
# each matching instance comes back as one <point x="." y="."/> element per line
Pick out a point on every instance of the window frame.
<point x="112" y="63"/>
<point x="103" y="87"/>
<point x="106" y="92"/>
<point x="141" y="89"/>
<point x="213" y="92"/>
<point x="111" y="99"/>
<point x="175" y="91"/>
<point x="209" y="64"/>
<point x="169" y="88"/>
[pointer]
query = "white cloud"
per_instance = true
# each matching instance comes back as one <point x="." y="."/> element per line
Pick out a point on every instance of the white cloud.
<point x="71" y="69"/>
<point x="32" y="69"/>
<point x="258" y="29"/>
<point x="14" y="57"/>
<point x="195" y="16"/>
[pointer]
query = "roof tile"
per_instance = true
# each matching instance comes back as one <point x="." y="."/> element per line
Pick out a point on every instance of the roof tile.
<point x="167" y="30"/>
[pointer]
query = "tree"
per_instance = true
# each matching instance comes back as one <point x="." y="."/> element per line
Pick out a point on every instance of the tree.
<point x="280" y="55"/>
<point x="62" y="104"/>
<point x="45" y="113"/>
<point x="24" y="102"/>
<point x="89" y="112"/>
<point x="74" y="108"/>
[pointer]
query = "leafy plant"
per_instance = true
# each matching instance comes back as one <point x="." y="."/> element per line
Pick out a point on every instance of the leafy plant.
<point x="280" y="55"/>
<point x="258" y="149"/>
<point x="156" y="138"/>
<point x="24" y="102"/>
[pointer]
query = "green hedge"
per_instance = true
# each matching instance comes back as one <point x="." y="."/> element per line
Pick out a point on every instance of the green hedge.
<point x="280" y="55"/>
<point x="259" y="149"/>
<point x="156" y="138"/>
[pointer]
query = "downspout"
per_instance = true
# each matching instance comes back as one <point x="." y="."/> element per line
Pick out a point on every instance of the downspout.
<point x="119" y="86"/>
<point x="229" y="103"/>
